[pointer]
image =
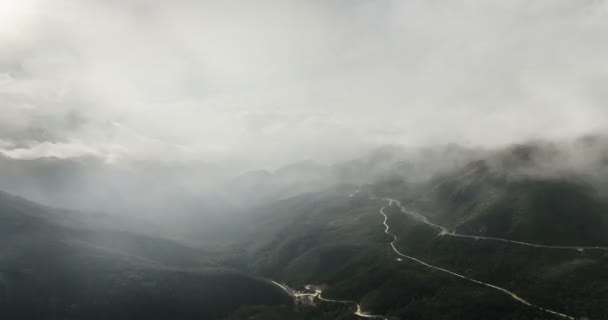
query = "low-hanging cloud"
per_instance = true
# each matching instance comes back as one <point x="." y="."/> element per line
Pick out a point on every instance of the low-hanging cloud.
<point x="268" y="82"/>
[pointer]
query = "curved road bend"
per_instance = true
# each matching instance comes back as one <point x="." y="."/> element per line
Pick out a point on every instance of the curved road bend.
<point x="318" y="294"/>
<point x="443" y="231"/>
<point x="503" y="290"/>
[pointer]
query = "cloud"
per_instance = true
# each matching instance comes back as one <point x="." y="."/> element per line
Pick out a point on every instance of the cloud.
<point x="47" y="149"/>
<point x="269" y="82"/>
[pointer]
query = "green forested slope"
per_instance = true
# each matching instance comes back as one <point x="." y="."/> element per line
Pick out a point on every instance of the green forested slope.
<point x="53" y="267"/>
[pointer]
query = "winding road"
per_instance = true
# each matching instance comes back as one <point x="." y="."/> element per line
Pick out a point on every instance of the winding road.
<point x="313" y="292"/>
<point x="443" y="231"/>
<point x="502" y="290"/>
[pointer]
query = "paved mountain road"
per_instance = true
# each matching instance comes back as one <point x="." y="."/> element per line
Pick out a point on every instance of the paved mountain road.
<point x="503" y="290"/>
<point x="443" y="231"/>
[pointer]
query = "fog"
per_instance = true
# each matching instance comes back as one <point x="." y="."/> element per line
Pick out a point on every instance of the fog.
<point x="249" y="85"/>
<point x="197" y="159"/>
<point x="170" y="109"/>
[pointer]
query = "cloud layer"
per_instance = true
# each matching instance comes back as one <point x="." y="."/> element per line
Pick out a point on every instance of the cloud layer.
<point x="268" y="82"/>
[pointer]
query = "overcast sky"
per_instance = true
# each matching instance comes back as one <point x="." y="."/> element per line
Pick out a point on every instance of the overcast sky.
<point x="269" y="82"/>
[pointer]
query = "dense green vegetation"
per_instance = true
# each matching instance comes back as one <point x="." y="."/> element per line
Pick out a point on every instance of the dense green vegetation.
<point x="51" y="267"/>
<point x="58" y="264"/>
<point x="550" y="210"/>
<point x="337" y="241"/>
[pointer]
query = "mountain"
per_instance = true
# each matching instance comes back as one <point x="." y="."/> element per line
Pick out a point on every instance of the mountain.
<point x="335" y="239"/>
<point x="511" y="233"/>
<point x="262" y="186"/>
<point x="392" y="163"/>
<point x="512" y="202"/>
<point x="57" y="264"/>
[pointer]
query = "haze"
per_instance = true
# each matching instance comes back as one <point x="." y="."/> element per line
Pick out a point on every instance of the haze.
<point x="260" y="84"/>
<point x="303" y="159"/>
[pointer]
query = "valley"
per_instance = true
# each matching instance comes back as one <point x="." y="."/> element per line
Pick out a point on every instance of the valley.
<point x="310" y="294"/>
<point x="303" y="160"/>
<point x="469" y="243"/>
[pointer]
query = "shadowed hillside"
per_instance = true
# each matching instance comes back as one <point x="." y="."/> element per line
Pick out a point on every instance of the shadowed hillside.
<point x="54" y="265"/>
